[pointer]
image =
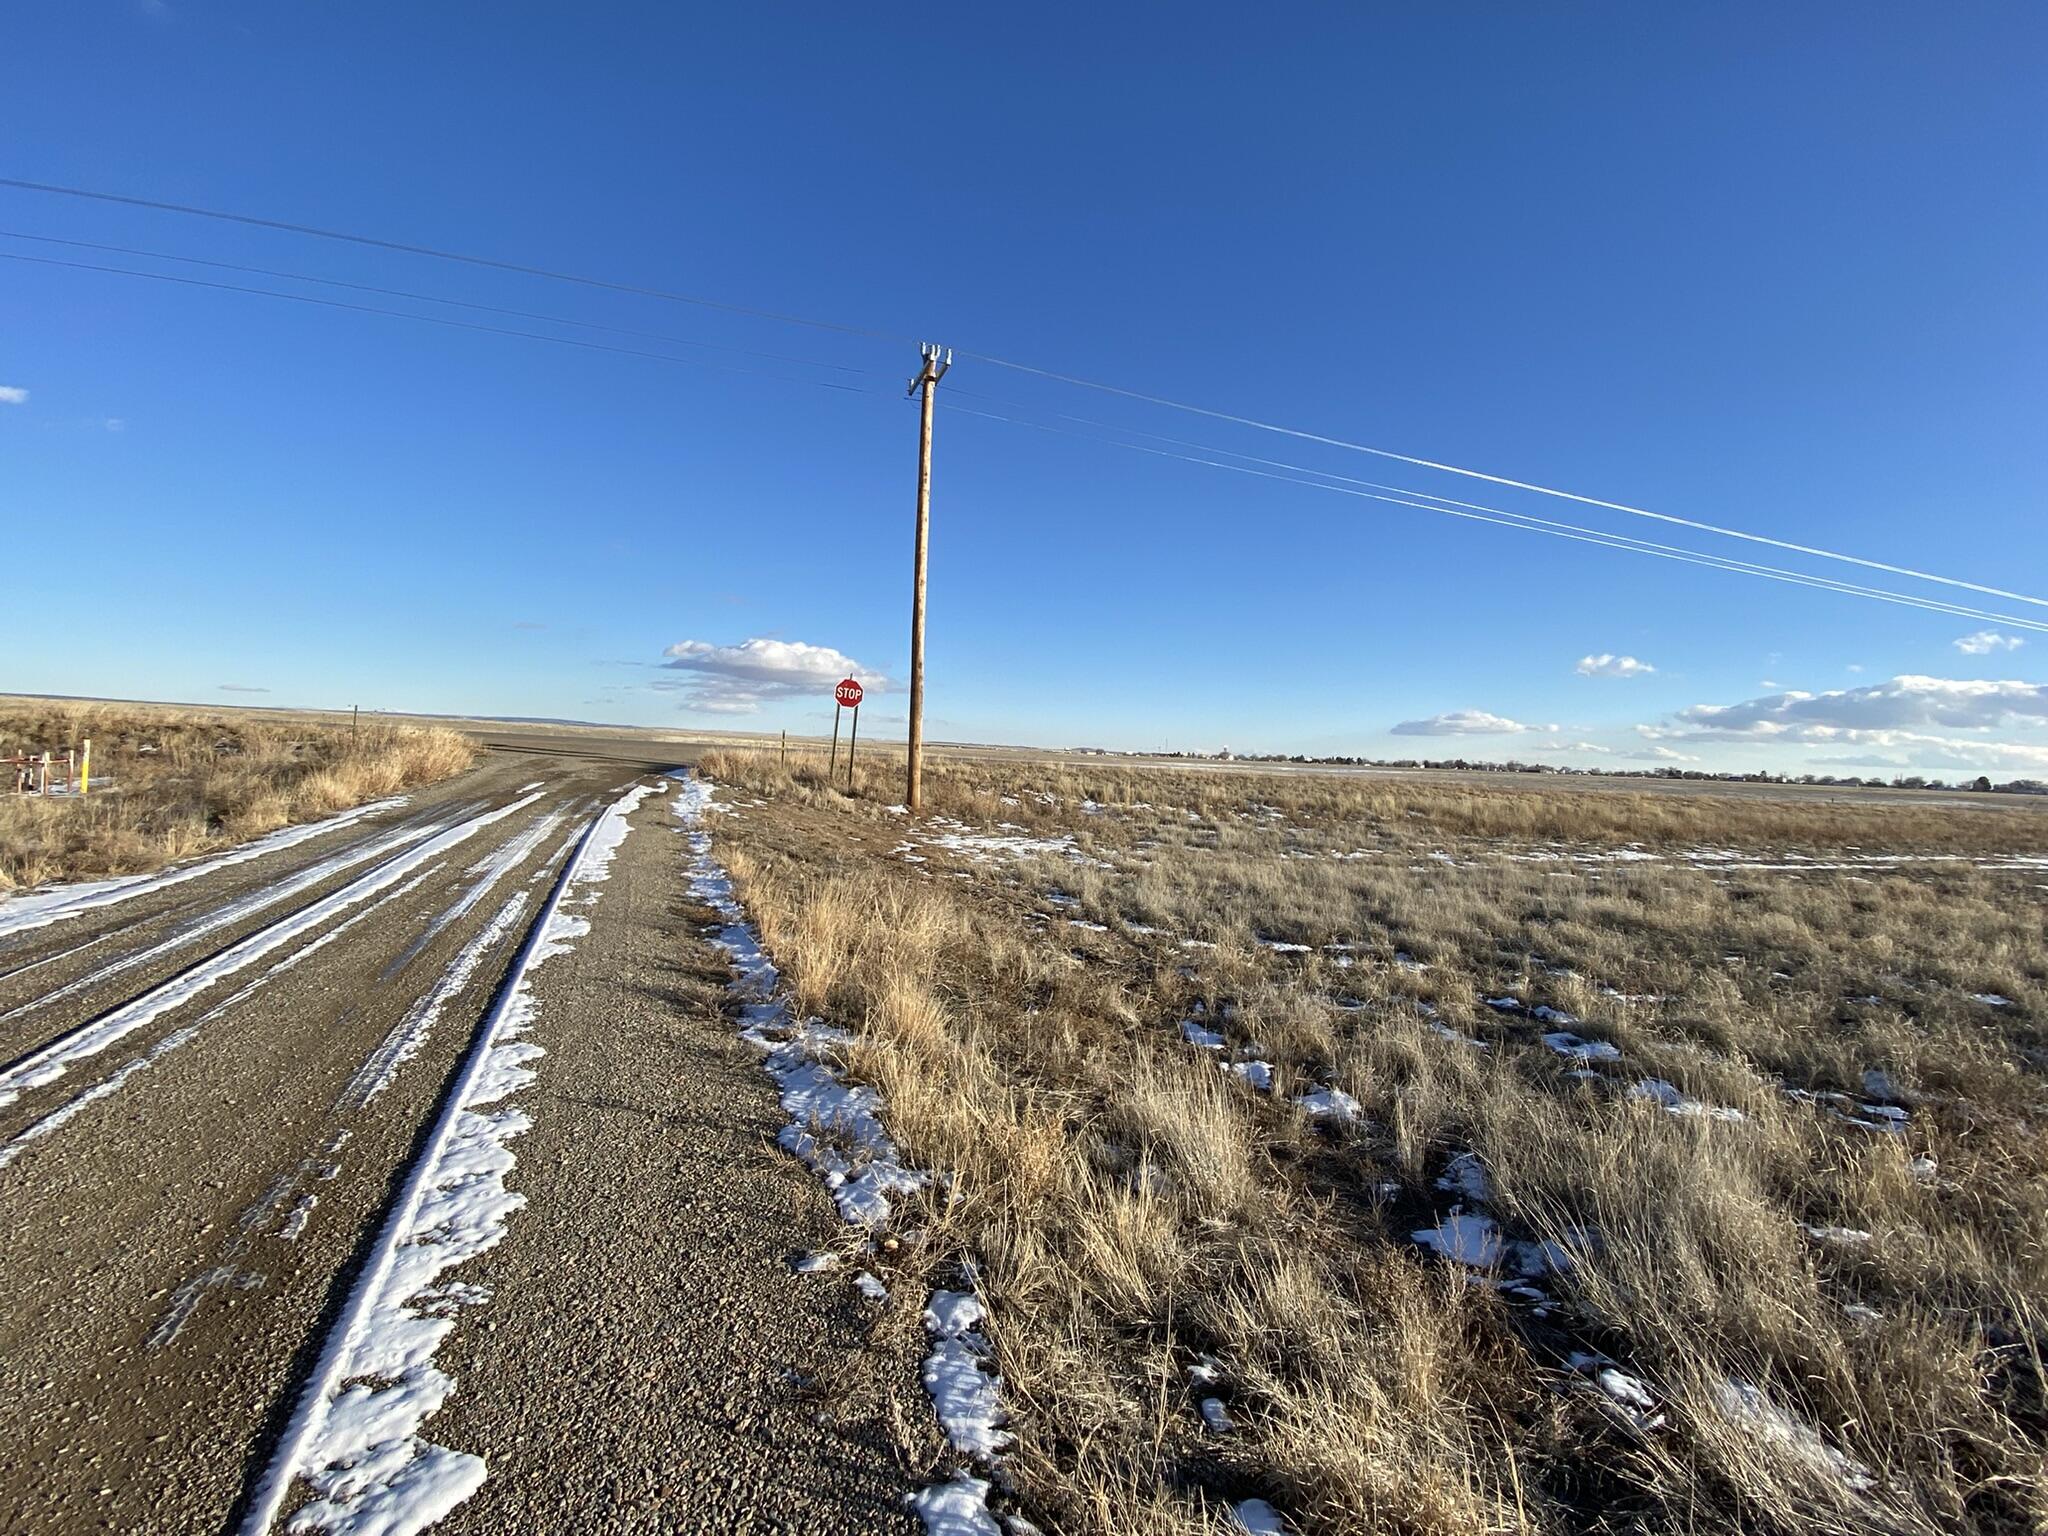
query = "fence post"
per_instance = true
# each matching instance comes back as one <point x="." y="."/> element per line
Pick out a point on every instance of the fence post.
<point x="85" y="769"/>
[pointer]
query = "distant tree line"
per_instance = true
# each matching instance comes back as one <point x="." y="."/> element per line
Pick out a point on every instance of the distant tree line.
<point x="1982" y="784"/>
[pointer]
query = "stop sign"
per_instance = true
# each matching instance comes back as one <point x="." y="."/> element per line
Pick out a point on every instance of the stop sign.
<point x="848" y="693"/>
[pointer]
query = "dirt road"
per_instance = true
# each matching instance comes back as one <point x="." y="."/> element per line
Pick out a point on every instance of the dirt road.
<point x="408" y="1169"/>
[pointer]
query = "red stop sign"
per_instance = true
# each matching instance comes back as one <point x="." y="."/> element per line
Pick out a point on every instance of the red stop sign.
<point x="848" y="693"/>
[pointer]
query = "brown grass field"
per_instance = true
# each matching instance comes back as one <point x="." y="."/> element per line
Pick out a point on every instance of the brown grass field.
<point x="1729" y="1212"/>
<point x="169" y="782"/>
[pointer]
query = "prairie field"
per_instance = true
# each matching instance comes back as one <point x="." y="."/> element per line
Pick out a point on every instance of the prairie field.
<point x="1421" y="1158"/>
<point x="169" y="782"/>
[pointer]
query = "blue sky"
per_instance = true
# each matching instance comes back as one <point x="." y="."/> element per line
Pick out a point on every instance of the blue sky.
<point x="1775" y="268"/>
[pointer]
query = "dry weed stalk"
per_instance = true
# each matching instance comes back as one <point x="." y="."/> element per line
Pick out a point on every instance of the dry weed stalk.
<point x="1133" y="1208"/>
<point x="170" y="783"/>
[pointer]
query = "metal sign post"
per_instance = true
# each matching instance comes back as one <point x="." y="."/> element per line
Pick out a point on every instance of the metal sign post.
<point x="847" y="695"/>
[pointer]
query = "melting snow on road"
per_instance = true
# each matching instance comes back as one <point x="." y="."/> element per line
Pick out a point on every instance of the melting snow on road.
<point x="54" y="1060"/>
<point x="406" y="1040"/>
<point x="229" y="913"/>
<point x="354" y="1436"/>
<point x="835" y="1130"/>
<point x="37" y="908"/>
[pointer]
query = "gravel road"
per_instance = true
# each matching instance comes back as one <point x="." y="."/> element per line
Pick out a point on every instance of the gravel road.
<point x="213" y="1095"/>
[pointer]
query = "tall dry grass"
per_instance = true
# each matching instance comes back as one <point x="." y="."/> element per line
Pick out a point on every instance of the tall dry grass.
<point x="1133" y="1209"/>
<point x="169" y="783"/>
<point x="1033" y="794"/>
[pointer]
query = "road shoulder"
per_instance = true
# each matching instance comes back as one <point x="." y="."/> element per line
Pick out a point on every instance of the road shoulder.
<point x="649" y="1359"/>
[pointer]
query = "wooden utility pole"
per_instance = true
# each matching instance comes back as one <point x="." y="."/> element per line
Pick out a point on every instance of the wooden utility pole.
<point x="936" y="361"/>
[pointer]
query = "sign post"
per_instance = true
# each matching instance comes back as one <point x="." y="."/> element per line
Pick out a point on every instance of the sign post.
<point x="847" y="695"/>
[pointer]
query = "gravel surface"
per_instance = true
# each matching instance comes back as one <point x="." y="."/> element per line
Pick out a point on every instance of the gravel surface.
<point x="651" y="1357"/>
<point x="182" y="1237"/>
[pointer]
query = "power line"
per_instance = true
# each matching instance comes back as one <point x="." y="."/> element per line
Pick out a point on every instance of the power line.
<point x="1529" y="523"/>
<point x="376" y="243"/>
<point x="1299" y="474"/>
<point x="443" y="320"/>
<point x="427" y="298"/>
<point x="1646" y="546"/>
<point x="1478" y="474"/>
<point x="1573" y="532"/>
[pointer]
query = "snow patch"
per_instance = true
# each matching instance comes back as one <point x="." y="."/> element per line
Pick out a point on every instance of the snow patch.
<point x="59" y="1056"/>
<point x="1567" y="1044"/>
<point x="1332" y="1102"/>
<point x="1469" y="1239"/>
<point x="354" y="1437"/>
<point x="957" y="1507"/>
<point x="965" y="1396"/>
<point x="1746" y="1406"/>
<point x="1667" y="1096"/>
<point x="1259" y="1074"/>
<point x="54" y="904"/>
<point x="834" y="1129"/>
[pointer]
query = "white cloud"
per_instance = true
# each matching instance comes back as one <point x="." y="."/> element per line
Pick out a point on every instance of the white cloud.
<point x="1584" y="746"/>
<point x="13" y="394"/>
<point x="1907" y="713"/>
<point x="739" y="679"/>
<point x="117" y="424"/>
<point x="1855" y="666"/>
<point x="1465" y="722"/>
<point x="1859" y="760"/>
<point x="1904" y="703"/>
<point x="1985" y="641"/>
<point x="1662" y="755"/>
<point x="241" y="688"/>
<point x="1607" y="664"/>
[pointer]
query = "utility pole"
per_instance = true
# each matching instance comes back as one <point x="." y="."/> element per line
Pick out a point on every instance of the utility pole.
<point x="936" y="360"/>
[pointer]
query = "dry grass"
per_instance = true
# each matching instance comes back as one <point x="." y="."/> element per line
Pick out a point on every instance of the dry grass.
<point x="1132" y="1207"/>
<point x="170" y="783"/>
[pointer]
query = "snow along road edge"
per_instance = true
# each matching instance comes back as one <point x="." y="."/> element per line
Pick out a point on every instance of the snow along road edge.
<point x="826" y="1112"/>
<point x="359" y="1446"/>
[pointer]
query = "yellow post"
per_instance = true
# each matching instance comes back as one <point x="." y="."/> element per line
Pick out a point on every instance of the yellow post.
<point x="85" y="768"/>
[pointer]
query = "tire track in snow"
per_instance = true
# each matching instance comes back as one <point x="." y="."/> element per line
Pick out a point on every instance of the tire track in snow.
<point x="68" y="1111"/>
<point x="410" y="1034"/>
<point x="50" y="1062"/>
<point x="37" y="909"/>
<point x="232" y="913"/>
<point x="354" y="1436"/>
<point x="489" y="870"/>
